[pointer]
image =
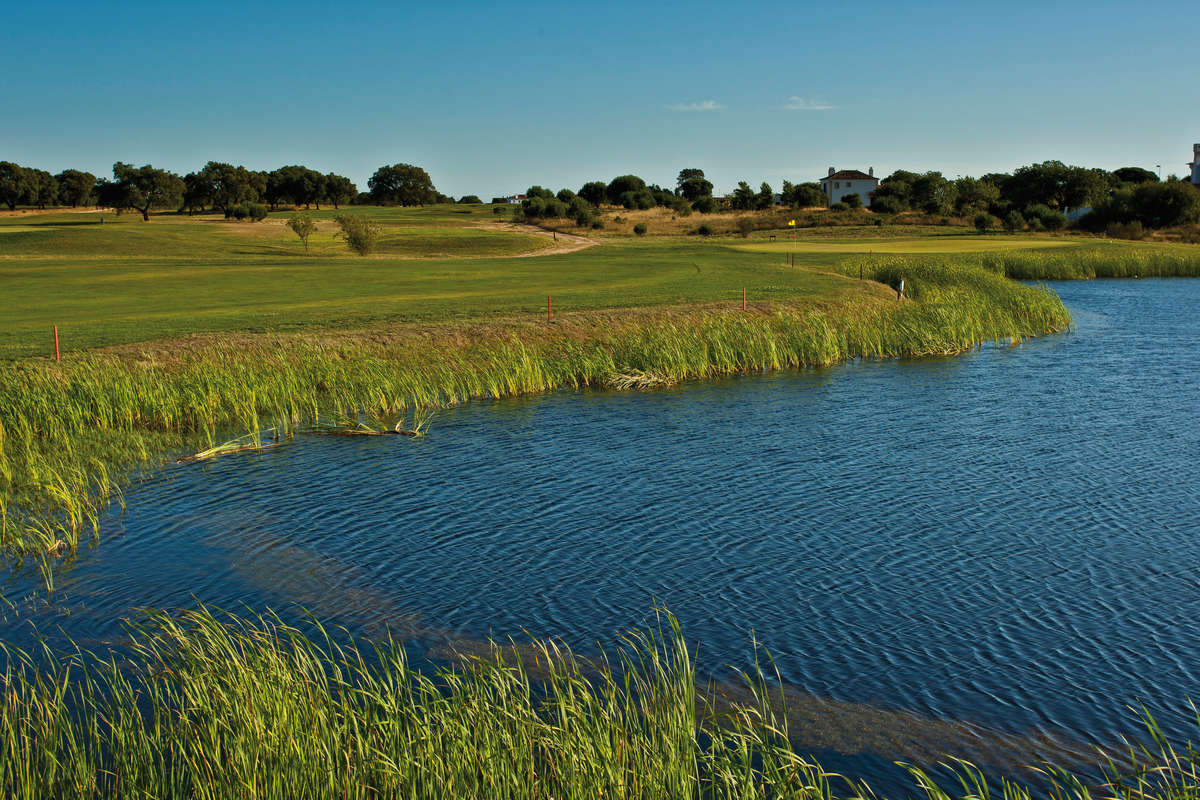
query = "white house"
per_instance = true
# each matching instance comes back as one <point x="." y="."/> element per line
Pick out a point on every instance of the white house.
<point x="1195" y="165"/>
<point x="837" y="184"/>
<point x="514" y="199"/>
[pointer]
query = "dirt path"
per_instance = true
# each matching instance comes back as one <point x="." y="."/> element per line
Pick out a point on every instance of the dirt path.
<point x="563" y="242"/>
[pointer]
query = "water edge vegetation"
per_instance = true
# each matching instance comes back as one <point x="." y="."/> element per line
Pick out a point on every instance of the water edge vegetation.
<point x="204" y="704"/>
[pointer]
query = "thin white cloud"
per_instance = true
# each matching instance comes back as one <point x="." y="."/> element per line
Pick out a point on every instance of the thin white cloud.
<point x="795" y="103"/>
<point x="703" y="105"/>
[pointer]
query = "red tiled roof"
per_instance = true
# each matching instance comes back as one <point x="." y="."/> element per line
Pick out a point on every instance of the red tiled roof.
<point x="849" y="175"/>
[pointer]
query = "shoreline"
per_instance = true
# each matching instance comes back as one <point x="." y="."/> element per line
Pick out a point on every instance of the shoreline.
<point x="73" y="432"/>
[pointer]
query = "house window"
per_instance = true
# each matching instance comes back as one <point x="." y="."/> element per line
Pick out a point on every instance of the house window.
<point x="837" y="184"/>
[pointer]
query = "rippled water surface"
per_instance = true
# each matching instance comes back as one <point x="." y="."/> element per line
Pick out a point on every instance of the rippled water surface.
<point x="995" y="550"/>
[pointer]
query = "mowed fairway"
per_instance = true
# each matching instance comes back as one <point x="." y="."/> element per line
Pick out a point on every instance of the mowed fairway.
<point x="127" y="281"/>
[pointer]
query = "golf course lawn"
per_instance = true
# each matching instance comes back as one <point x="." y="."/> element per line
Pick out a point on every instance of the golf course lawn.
<point x="108" y="280"/>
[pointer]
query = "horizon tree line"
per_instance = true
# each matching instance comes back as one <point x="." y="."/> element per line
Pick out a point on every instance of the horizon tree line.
<point x="1035" y="195"/>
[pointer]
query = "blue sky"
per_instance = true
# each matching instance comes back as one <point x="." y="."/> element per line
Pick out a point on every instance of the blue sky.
<point x="493" y="97"/>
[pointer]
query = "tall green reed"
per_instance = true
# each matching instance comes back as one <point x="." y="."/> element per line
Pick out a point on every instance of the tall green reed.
<point x="70" y="432"/>
<point x="202" y="704"/>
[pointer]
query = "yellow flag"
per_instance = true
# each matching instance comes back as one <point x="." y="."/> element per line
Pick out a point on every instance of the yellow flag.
<point x="792" y="223"/>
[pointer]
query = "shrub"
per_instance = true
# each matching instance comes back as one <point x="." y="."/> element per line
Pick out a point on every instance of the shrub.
<point x="1014" y="222"/>
<point x="705" y="205"/>
<point x="303" y="226"/>
<point x="470" y="199"/>
<point x="705" y="229"/>
<point x="577" y="205"/>
<point x="682" y="207"/>
<point x="887" y="204"/>
<point x="745" y="225"/>
<point x="1125" y="230"/>
<point x="358" y="232"/>
<point x="534" y="207"/>
<point x="640" y="229"/>
<point x="1050" y="219"/>
<point x="852" y="200"/>
<point x="1055" y="221"/>
<point x="984" y="222"/>
<point x="597" y="224"/>
<point x="498" y="210"/>
<point x="640" y="199"/>
<point x="554" y="208"/>
<point x="878" y="223"/>
<point x="583" y="218"/>
<point x="839" y="206"/>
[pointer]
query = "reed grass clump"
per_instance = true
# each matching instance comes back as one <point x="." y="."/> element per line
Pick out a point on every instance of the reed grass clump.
<point x="71" y="432"/>
<point x="208" y="705"/>
<point x="1112" y="261"/>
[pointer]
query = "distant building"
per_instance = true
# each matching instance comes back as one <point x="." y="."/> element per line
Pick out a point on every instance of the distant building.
<point x="514" y="199"/>
<point x="837" y="184"/>
<point x="1195" y="165"/>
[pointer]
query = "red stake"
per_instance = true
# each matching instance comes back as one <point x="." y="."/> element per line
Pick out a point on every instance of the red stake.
<point x="549" y="308"/>
<point x="56" y="343"/>
<point x="743" y="298"/>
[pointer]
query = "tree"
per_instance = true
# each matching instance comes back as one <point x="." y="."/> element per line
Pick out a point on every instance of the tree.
<point x="145" y="187"/>
<point x="197" y="191"/>
<point x="984" y="222"/>
<point x="933" y="194"/>
<point x="296" y="184"/>
<point x="565" y="195"/>
<point x="227" y="185"/>
<point x="402" y="184"/>
<point x="640" y="229"/>
<point x="691" y="184"/>
<point x="894" y="193"/>
<point x="1134" y="175"/>
<point x="303" y="226"/>
<point x="803" y="195"/>
<point x="75" y="187"/>
<point x="13" y="184"/>
<point x="595" y="192"/>
<point x="358" y="232"/>
<point x="1054" y="184"/>
<point x="765" y="198"/>
<point x="1160" y="205"/>
<point x="624" y="183"/>
<point x="470" y="199"/>
<point x="975" y="195"/>
<point x="538" y="191"/>
<point x="42" y="189"/>
<point x="705" y="205"/>
<point x="743" y="197"/>
<point x="340" y="189"/>
<point x="1085" y="187"/>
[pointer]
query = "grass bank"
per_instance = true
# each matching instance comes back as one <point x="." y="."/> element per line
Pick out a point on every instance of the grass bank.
<point x="201" y="705"/>
<point x="70" y="432"/>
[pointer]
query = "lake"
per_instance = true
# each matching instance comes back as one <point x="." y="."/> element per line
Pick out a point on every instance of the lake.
<point x="993" y="554"/>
